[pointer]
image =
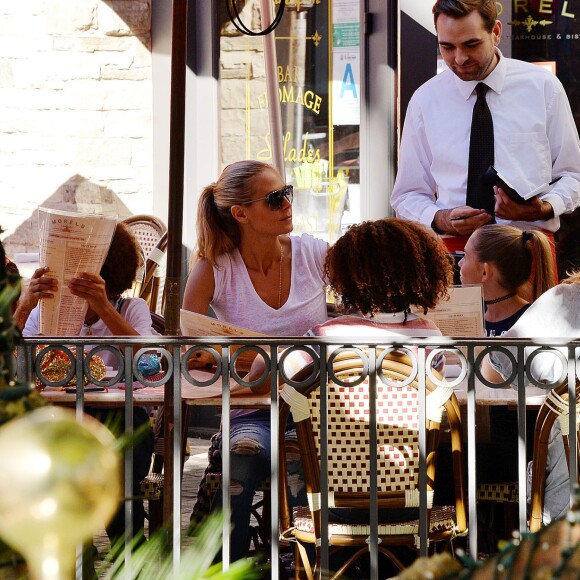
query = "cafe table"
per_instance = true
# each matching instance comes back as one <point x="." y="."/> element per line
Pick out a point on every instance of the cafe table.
<point x="114" y="396"/>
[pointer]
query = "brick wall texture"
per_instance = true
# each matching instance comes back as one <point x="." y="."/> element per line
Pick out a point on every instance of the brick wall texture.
<point x="75" y="111"/>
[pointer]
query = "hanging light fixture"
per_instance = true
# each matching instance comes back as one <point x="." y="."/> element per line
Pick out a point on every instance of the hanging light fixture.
<point x="234" y="16"/>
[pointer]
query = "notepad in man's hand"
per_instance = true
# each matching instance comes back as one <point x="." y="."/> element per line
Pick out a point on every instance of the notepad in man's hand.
<point x="493" y="177"/>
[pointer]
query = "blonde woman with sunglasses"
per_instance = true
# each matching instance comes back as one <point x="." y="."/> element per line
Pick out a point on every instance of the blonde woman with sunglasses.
<point x="253" y="274"/>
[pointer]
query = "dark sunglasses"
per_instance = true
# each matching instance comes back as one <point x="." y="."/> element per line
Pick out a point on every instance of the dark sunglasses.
<point x="275" y="199"/>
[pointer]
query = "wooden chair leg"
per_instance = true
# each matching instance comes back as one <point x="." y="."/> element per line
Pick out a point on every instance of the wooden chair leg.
<point x="352" y="559"/>
<point x="300" y="570"/>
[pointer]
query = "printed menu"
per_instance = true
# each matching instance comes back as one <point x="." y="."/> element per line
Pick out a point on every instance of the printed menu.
<point x="193" y="324"/>
<point x="462" y="314"/>
<point x="70" y="243"/>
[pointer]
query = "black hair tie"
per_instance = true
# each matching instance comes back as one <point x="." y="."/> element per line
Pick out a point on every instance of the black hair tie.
<point x="526" y="235"/>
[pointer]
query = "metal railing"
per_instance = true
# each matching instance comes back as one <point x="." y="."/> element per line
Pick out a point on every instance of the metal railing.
<point x="177" y="353"/>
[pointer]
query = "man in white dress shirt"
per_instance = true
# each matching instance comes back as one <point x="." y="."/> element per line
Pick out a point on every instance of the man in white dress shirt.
<point x="534" y="135"/>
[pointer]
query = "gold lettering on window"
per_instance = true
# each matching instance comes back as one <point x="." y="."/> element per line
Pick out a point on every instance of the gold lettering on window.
<point x="291" y="154"/>
<point x="288" y="74"/>
<point x="290" y="94"/>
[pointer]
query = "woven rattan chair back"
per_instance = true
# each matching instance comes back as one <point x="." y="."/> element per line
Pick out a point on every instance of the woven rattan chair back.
<point x="397" y="433"/>
<point x="151" y="233"/>
<point x="555" y="408"/>
<point x="148" y="230"/>
<point x="153" y="288"/>
<point x="348" y="436"/>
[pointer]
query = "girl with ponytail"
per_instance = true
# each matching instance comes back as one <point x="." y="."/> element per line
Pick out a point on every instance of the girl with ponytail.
<point x="505" y="260"/>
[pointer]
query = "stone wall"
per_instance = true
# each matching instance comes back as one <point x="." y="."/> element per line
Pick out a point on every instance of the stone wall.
<point x="75" y="111"/>
<point x="244" y="123"/>
<point x="243" y="115"/>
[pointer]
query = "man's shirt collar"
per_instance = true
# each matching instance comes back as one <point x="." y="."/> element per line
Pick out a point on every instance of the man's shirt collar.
<point x="494" y="80"/>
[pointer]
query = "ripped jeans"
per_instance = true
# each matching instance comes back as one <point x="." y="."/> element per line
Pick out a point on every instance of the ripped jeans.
<point x="249" y="466"/>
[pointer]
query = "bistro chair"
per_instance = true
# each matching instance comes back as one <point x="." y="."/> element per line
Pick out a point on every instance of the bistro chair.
<point x="154" y="281"/>
<point x="493" y="500"/>
<point x="555" y="408"/>
<point x="151" y="233"/>
<point x="148" y="230"/>
<point x="153" y="485"/>
<point x="348" y="435"/>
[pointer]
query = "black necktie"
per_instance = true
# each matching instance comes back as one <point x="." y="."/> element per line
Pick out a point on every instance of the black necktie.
<point x="480" y="195"/>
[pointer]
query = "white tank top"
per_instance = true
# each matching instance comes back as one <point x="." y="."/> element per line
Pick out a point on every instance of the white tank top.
<point x="236" y="301"/>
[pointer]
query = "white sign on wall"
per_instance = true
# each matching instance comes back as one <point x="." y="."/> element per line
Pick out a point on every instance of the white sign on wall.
<point x="345" y="62"/>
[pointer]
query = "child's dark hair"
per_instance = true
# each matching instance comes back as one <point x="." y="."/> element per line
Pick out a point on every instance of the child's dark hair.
<point x="388" y="265"/>
<point x="122" y="261"/>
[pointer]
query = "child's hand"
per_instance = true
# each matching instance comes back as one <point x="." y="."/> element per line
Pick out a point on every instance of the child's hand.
<point x="92" y="288"/>
<point x="40" y="286"/>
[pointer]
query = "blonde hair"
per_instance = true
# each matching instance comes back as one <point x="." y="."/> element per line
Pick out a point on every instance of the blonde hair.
<point x="573" y="277"/>
<point x="513" y="253"/>
<point x="217" y="231"/>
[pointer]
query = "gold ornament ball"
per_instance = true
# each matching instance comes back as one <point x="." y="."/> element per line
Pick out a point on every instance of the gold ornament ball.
<point x="60" y="480"/>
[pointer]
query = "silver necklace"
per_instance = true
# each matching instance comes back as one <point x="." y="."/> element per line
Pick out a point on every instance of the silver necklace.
<point x="280" y="283"/>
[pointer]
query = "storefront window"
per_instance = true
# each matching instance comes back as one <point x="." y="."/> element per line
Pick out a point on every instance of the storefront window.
<point x="318" y="54"/>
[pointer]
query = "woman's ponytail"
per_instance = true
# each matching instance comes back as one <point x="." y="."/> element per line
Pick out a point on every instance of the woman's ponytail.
<point x="542" y="260"/>
<point x="216" y="231"/>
